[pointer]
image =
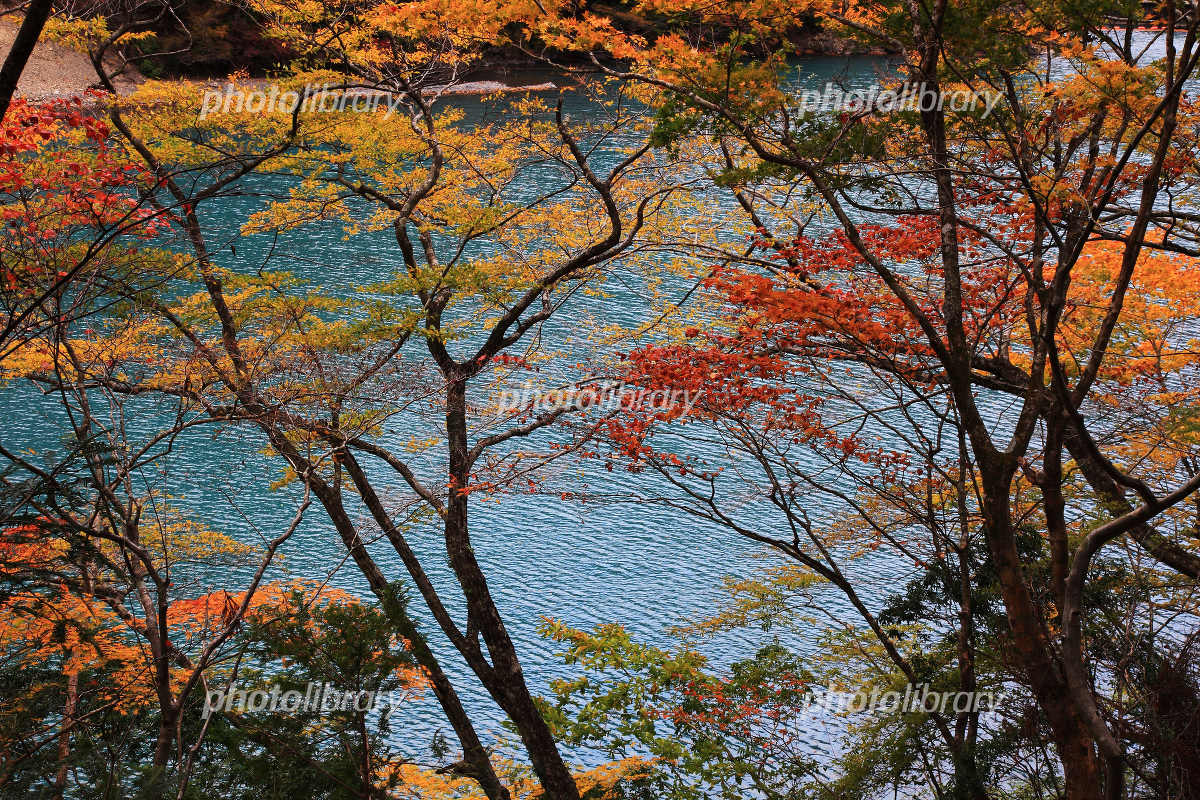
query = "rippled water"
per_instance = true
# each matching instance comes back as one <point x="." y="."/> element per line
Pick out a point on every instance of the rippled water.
<point x="645" y="567"/>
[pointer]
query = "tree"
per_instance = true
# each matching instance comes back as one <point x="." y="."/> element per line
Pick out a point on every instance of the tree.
<point x="94" y="602"/>
<point x="325" y="378"/>
<point x="962" y="240"/>
<point x="36" y="14"/>
<point x="706" y="734"/>
<point x="303" y="641"/>
<point x="68" y="212"/>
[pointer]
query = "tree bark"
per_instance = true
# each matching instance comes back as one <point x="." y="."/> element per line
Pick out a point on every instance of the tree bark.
<point x="64" y="737"/>
<point x="36" y="14"/>
<point x="505" y="681"/>
<point x="1032" y="645"/>
<point x="474" y="753"/>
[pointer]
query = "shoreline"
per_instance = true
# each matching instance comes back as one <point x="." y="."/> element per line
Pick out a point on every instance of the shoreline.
<point x="58" y="73"/>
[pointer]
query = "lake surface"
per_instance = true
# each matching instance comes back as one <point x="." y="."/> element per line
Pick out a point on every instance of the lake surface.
<point x="645" y="567"/>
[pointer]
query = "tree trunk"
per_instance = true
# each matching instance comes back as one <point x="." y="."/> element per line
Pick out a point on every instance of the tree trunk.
<point x="64" y="737"/>
<point x="474" y="753"/>
<point x="505" y="681"/>
<point x="36" y="14"/>
<point x="1073" y="741"/>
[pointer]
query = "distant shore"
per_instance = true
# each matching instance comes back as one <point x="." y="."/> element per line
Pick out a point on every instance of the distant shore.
<point x="55" y="72"/>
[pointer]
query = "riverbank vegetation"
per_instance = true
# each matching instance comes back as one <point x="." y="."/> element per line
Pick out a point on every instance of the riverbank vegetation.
<point x="929" y="351"/>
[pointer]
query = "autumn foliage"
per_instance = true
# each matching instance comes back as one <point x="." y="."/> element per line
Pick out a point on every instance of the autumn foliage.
<point x="938" y="364"/>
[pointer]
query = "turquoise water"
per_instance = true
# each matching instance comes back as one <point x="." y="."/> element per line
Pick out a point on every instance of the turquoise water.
<point x="644" y="566"/>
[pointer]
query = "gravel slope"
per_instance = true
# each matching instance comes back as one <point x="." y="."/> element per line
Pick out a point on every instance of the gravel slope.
<point x="56" y="71"/>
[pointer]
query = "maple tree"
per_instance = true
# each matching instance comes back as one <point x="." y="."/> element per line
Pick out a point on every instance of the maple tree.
<point x="953" y="337"/>
<point x="95" y="602"/>
<point x="325" y="377"/>
<point x="78" y="642"/>
<point x="68" y="211"/>
<point x="950" y="257"/>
